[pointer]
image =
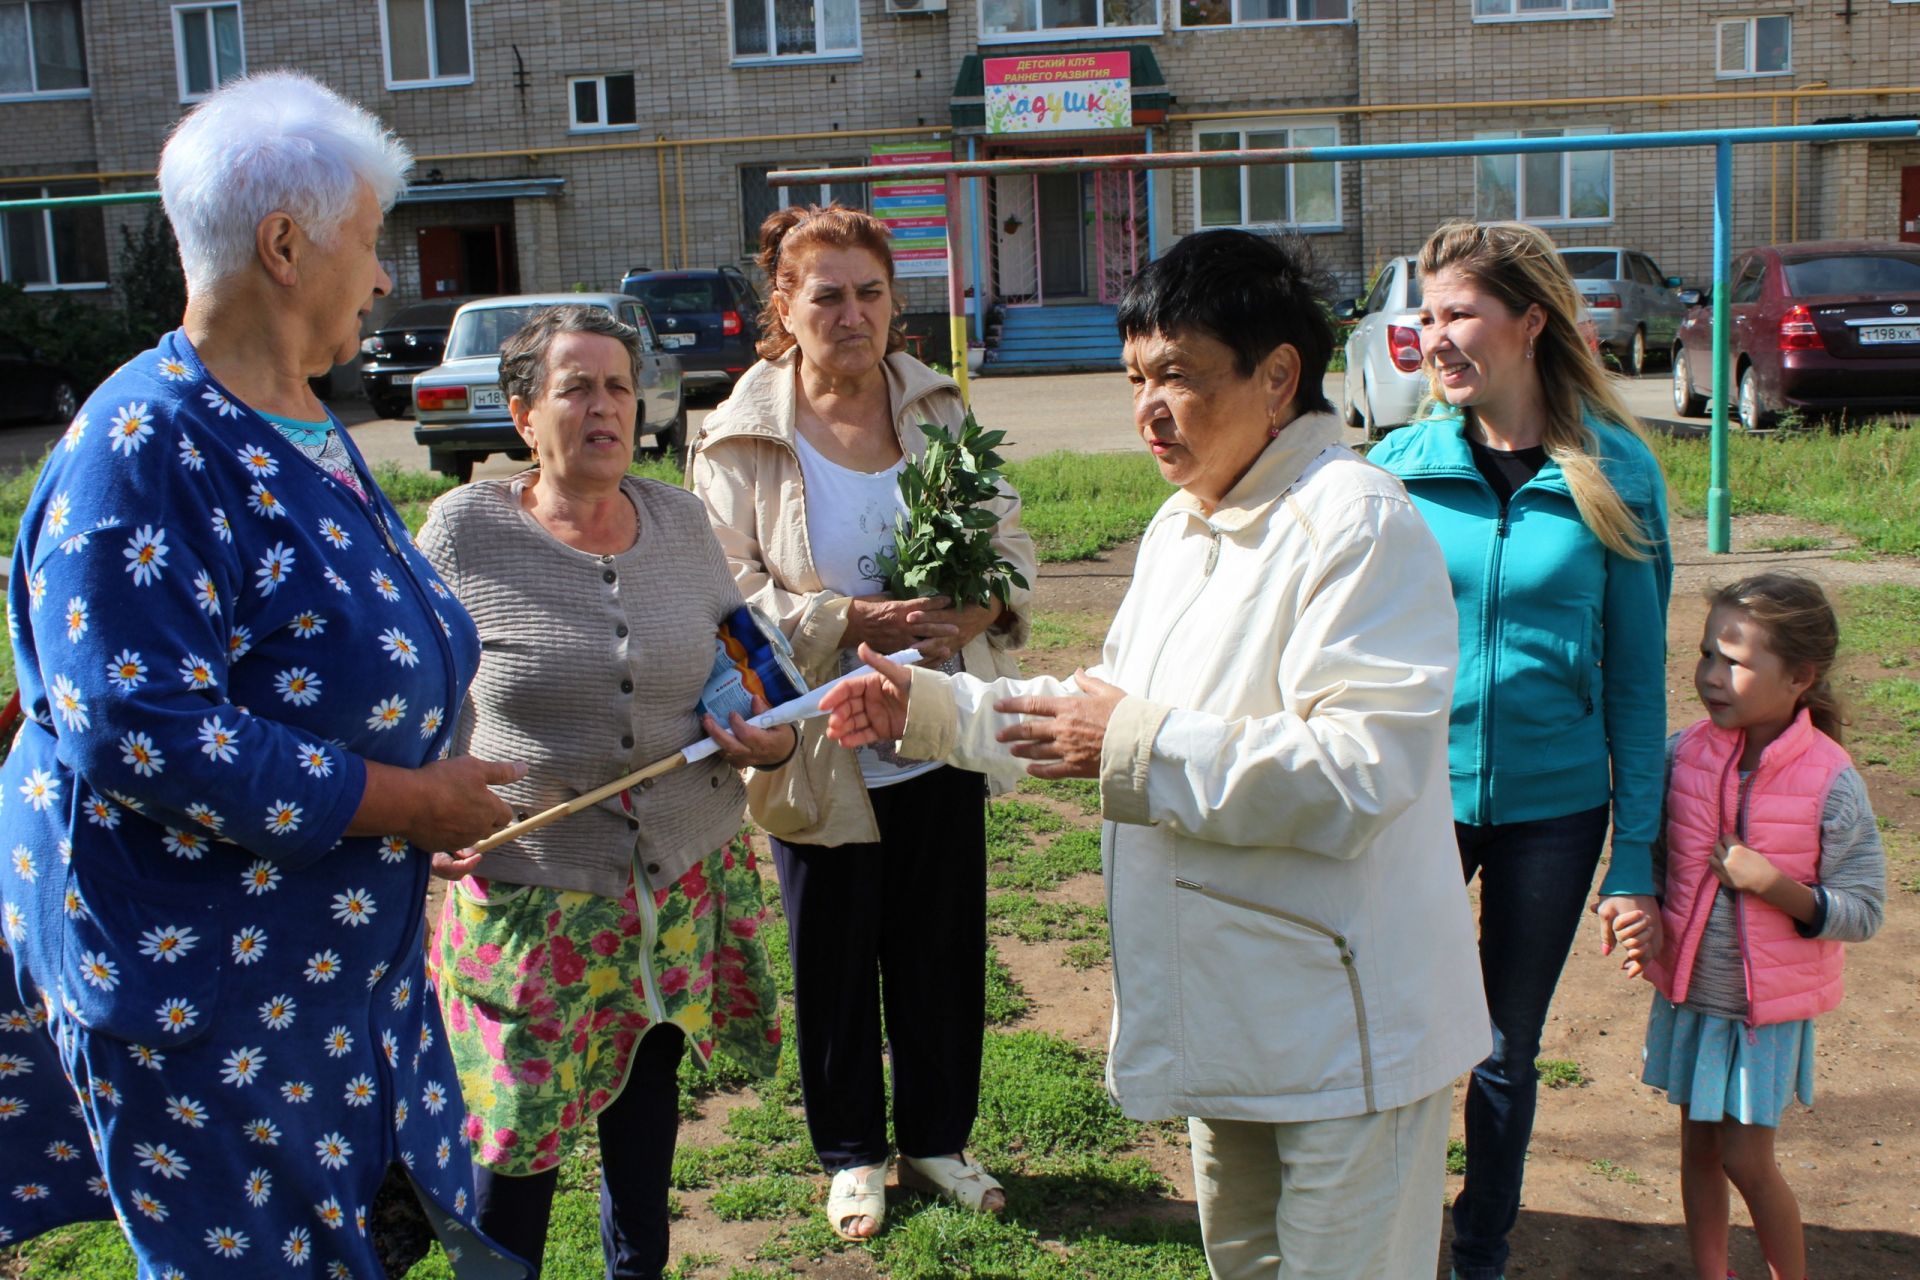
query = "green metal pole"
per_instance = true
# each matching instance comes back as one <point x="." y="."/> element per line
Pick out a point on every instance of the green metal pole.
<point x="1719" y="517"/>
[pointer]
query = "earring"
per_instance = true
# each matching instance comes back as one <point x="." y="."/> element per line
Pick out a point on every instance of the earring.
<point x="1273" y="432"/>
<point x="1529" y="348"/>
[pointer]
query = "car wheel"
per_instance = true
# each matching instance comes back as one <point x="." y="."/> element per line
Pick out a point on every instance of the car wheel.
<point x="392" y="406"/>
<point x="1686" y="401"/>
<point x="1754" y="414"/>
<point x="1349" y="412"/>
<point x="458" y="466"/>
<point x="65" y="402"/>
<point x="1637" y="354"/>
<point x="1369" y="425"/>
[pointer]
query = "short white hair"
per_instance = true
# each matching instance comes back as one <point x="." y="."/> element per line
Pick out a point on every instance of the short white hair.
<point x="278" y="140"/>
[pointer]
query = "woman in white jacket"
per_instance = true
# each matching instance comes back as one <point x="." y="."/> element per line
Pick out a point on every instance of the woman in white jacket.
<point x="1294" y="964"/>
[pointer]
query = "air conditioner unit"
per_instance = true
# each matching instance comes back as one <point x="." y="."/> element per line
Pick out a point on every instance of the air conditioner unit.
<point x="916" y="6"/>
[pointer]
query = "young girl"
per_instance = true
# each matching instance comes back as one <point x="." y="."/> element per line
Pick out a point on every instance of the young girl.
<point x="1772" y="861"/>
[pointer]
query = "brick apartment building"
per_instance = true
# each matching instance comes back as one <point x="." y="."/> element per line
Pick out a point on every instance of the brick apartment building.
<point x="563" y="142"/>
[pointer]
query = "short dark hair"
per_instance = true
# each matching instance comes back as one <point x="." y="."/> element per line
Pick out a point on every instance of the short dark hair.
<point x="523" y="357"/>
<point x="1248" y="292"/>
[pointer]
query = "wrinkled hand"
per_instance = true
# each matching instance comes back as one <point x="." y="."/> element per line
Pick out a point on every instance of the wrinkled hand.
<point x="1063" y="734"/>
<point x="1740" y="868"/>
<point x="890" y="625"/>
<point x="1632" y="923"/>
<point x="967" y="623"/>
<point x="452" y="806"/>
<point x="747" y="746"/>
<point x="455" y="866"/>
<point x="862" y="710"/>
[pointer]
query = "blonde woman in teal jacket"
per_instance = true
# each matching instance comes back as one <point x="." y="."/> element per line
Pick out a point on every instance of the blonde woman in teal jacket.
<point x="1552" y="514"/>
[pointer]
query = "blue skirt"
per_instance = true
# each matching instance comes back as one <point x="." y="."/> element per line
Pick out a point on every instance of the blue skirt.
<point x="1707" y="1064"/>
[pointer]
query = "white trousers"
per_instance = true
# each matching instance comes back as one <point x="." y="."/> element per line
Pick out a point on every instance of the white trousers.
<point x="1358" y="1198"/>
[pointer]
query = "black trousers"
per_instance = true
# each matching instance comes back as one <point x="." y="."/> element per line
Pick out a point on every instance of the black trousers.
<point x="905" y="918"/>
<point x="637" y="1133"/>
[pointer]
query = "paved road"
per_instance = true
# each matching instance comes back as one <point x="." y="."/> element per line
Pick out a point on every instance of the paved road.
<point x="1083" y="412"/>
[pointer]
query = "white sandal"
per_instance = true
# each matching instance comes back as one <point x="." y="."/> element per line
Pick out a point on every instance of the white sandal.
<point x="855" y="1195"/>
<point x="961" y="1181"/>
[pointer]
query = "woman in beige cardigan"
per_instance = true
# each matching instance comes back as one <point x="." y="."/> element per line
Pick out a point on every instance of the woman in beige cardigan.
<point x="882" y="859"/>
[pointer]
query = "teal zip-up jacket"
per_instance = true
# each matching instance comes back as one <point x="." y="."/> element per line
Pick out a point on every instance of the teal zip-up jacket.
<point x="1560" y="704"/>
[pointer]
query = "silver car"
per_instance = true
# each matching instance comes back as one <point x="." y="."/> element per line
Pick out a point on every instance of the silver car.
<point x="460" y="412"/>
<point x="1635" y="308"/>
<point x="1384" y="382"/>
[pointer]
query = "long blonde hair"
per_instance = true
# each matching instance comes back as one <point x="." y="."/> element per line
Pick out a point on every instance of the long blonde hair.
<point x="1520" y="266"/>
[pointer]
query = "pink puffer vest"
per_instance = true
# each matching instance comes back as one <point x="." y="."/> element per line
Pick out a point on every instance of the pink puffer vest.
<point x="1788" y="977"/>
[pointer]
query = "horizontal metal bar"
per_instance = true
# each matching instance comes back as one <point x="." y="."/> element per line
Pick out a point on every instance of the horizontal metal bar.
<point x="1373" y="151"/>
<point x="80" y="202"/>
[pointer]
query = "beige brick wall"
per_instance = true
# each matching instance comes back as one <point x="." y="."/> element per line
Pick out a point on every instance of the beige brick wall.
<point x="609" y="218"/>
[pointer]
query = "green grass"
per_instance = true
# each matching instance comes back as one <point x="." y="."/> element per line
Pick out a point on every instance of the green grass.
<point x="1797" y="542"/>
<point x="1006" y="999"/>
<point x="1882" y="620"/>
<point x="765" y="1198"/>
<point x="1456" y="1156"/>
<point x="1077" y="505"/>
<point x="1865" y="482"/>
<point x="1614" y="1172"/>
<point x="1559" y="1073"/>
<point x="1054" y="631"/>
<point x="1083" y="793"/>
<point x="1031" y="919"/>
<point x="1897" y="748"/>
<point x="1018" y="860"/>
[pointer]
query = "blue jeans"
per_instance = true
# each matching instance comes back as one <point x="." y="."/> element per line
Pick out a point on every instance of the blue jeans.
<point x="1534" y="882"/>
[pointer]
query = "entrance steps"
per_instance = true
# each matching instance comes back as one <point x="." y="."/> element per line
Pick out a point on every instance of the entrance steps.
<point x="1061" y="339"/>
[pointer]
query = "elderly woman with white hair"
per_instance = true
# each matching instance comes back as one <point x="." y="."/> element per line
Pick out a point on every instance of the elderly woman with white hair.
<point x="238" y="675"/>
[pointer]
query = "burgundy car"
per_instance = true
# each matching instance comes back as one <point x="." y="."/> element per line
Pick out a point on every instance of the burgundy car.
<point x="1827" y="329"/>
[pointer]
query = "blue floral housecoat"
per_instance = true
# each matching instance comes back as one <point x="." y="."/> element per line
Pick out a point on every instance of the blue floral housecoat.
<point x="224" y="1034"/>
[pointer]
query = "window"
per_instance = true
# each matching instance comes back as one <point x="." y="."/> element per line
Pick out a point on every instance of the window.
<point x="1288" y="195"/>
<point x="1239" y="13"/>
<point x="795" y="29"/>
<point x="601" y="102"/>
<point x="208" y="49"/>
<point x="1755" y="47"/>
<point x="1746" y="281"/>
<point x="1498" y="10"/>
<point x="1038" y="19"/>
<point x="757" y="199"/>
<point x="1547" y="186"/>
<point x="54" y="248"/>
<point x="41" y="52"/>
<point x="427" y="43"/>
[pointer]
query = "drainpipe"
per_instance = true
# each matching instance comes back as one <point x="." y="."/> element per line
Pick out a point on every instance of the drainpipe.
<point x="1794" y="213"/>
<point x="973" y="217"/>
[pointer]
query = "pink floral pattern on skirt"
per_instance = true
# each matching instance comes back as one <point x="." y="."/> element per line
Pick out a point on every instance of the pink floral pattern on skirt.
<point x="545" y="1000"/>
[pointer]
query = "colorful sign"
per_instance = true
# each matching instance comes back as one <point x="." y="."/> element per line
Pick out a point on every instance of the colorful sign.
<point x="1059" y="92"/>
<point x="915" y="212"/>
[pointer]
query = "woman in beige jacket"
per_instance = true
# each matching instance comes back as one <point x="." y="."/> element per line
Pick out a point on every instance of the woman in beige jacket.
<point x="882" y="859"/>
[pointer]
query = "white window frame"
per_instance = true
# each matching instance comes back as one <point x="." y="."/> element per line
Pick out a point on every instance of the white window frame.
<point x="1564" y="14"/>
<point x="575" y="125"/>
<point x="1099" y="31"/>
<point x="180" y="12"/>
<point x="434" y="79"/>
<point x="804" y="194"/>
<point x="1750" y="46"/>
<point x="45" y="95"/>
<point x="773" y="58"/>
<point x="1243" y="128"/>
<point x="56" y="285"/>
<point x="1518" y="213"/>
<point x="1239" y="23"/>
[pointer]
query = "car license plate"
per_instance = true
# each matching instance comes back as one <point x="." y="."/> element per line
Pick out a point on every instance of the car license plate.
<point x="403" y="379"/>
<point x="1871" y="335"/>
<point x="489" y="398"/>
<point x="676" y="339"/>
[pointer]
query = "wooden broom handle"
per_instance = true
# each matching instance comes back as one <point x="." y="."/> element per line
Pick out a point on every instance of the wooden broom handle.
<point x="580" y="802"/>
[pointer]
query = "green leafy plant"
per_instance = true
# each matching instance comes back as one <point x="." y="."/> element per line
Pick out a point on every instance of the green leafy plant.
<point x="943" y="546"/>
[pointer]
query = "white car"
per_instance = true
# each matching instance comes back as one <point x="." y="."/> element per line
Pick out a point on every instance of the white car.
<point x="1384" y="382"/>
<point x="460" y="412"/>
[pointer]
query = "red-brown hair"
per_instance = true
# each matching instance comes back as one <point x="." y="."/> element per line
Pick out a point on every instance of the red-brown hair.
<point x="788" y="235"/>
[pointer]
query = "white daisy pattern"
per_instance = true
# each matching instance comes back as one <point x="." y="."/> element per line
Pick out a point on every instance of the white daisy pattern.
<point x="130" y="427"/>
<point x="214" y="613"/>
<point x="126" y="671"/>
<point x="274" y="568"/>
<point x="146" y="555"/>
<point x="399" y="648"/>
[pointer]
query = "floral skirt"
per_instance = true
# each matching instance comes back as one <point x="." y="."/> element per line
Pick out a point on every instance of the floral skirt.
<point x="547" y="992"/>
<point x="1711" y="1066"/>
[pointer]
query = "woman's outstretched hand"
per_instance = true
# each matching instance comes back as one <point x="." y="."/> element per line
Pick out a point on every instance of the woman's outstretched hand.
<point x="862" y="710"/>
<point x="1062" y="734"/>
<point x="1632" y="923"/>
